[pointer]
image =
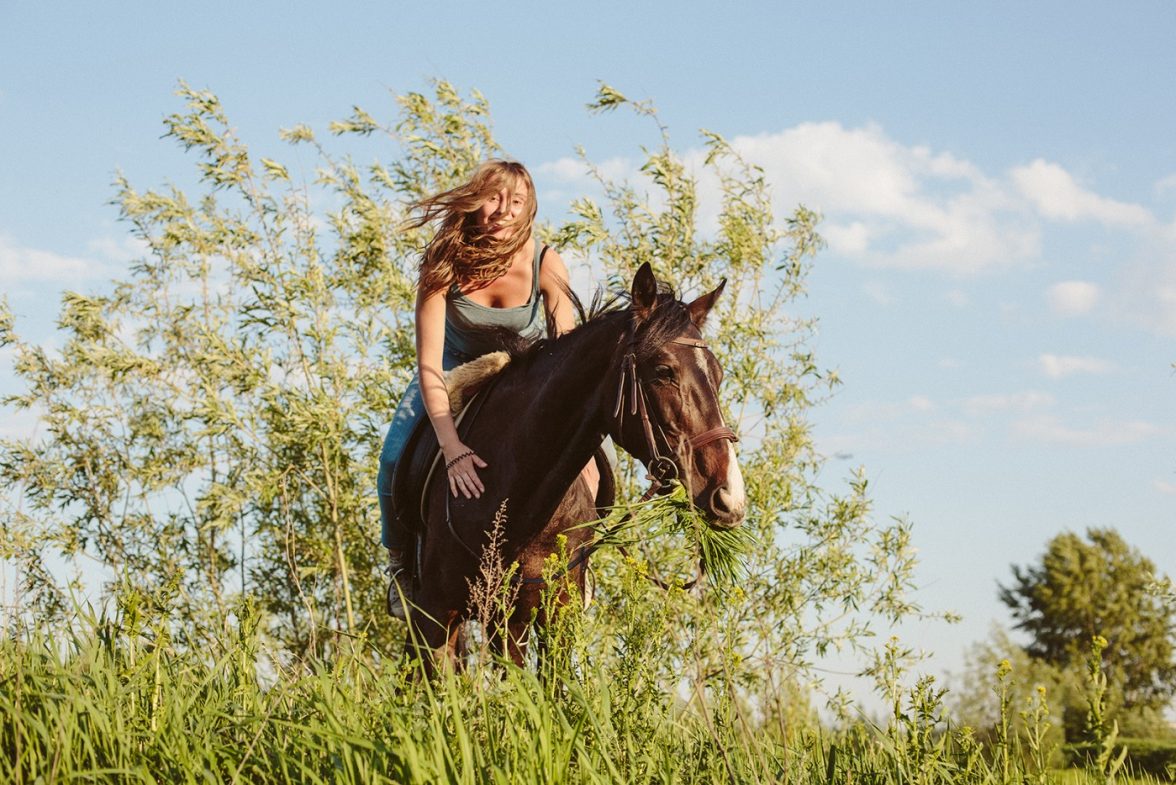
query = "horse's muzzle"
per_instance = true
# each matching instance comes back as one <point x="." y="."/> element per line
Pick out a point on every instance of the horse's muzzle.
<point x="724" y="502"/>
<point x="725" y="509"/>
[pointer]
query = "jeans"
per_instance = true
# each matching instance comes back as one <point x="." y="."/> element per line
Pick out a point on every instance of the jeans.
<point x="408" y="413"/>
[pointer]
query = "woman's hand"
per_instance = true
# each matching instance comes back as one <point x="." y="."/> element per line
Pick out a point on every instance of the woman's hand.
<point x="460" y="465"/>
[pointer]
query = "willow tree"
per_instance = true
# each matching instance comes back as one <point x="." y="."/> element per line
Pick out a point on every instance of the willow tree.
<point x="822" y="572"/>
<point x="211" y="425"/>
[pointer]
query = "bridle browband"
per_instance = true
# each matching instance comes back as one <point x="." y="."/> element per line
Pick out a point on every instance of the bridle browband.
<point x="661" y="467"/>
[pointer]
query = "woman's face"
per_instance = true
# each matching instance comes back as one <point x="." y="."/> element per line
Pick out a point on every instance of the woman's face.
<point x="503" y="211"/>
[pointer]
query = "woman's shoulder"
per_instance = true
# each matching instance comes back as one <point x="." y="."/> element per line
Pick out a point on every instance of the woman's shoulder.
<point x="551" y="266"/>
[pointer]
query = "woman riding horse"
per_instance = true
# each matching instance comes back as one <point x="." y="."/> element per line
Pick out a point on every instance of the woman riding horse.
<point x="641" y="374"/>
<point x="483" y="273"/>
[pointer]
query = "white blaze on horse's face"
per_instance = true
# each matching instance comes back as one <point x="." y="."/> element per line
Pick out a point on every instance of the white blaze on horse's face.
<point x="729" y="500"/>
<point x="712" y="469"/>
<point x="733" y="496"/>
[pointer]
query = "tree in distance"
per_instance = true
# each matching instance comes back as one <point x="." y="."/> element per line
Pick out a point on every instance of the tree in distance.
<point x="1098" y="586"/>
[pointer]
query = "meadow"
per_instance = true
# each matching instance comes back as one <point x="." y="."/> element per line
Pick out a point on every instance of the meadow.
<point x="210" y="427"/>
<point x="113" y="699"/>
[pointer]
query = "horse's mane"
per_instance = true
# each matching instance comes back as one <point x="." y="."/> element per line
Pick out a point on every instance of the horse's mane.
<point x="668" y="319"/>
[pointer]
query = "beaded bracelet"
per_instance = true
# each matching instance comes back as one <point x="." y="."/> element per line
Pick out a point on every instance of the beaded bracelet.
<point x="451" y="464"/>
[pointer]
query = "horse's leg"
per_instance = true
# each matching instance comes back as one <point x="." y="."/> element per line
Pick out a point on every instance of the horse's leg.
<point x="496" y="636"/>
<point x="516" y="633"/>
<point x="433" y="637"/>
<point x="590" y="474"/>
<point x="455" y="645"/>
<point x="504" y="640"/>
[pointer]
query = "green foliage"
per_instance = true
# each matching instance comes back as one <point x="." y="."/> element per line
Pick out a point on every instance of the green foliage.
<point x="118" y="699"/>
<point x="1099" y="587"/>
<point x="212" y="425"/>
<point x="821" y="569"/>
<point x="214" y="421"/>
<point x="1154" y="757"/>
<point x="721" y="552"/>
<point x="1100" y="732"/>
<point x="115" y="697"/>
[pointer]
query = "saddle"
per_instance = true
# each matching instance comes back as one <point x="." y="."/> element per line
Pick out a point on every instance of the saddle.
<point x="422" y="453"/>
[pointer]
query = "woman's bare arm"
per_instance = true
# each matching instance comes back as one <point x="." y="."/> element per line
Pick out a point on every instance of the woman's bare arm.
<point x="553" y="283"/>
<point x="430" y="344"/>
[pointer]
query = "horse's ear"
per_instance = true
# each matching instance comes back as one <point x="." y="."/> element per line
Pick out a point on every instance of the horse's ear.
<point x="644" y="292"/>
<point x="702" y="306"/>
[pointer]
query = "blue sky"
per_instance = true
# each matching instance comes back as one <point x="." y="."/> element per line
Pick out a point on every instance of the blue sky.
<point x="998" y="182"/>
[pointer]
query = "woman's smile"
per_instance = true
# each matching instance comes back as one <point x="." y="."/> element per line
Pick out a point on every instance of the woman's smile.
<point x="501" y="211"/>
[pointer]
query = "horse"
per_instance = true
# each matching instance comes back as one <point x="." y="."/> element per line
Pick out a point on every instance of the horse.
<point x="639" y="373"/>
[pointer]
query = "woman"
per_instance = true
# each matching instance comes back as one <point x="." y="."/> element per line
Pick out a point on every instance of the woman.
<point x="482" y="271"/>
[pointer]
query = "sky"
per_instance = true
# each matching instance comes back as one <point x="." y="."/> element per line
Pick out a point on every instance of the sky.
<point x="997" y="181"/>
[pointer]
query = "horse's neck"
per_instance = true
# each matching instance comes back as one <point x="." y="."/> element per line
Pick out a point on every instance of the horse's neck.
<point x="557" y="408"/>
<point x="575" y="373"/>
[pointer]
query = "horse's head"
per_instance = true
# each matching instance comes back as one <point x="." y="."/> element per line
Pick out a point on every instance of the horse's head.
<point x="668" y="401"/>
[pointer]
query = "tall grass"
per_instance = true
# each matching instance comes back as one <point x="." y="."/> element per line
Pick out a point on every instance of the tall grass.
<point x="114" y="700"/>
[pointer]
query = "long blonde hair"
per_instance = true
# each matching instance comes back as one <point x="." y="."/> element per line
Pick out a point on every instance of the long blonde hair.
<point x="462" y="252"/>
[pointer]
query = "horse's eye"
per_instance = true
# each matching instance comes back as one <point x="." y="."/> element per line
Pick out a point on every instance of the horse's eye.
<point x="664" y="372"/>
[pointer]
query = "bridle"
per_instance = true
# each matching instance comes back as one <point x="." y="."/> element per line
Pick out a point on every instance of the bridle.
<point x="662" y="468"/>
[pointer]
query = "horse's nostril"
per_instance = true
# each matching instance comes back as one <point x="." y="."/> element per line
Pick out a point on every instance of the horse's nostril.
<point x="721" y="500"/>
<point x="726" y="507"/>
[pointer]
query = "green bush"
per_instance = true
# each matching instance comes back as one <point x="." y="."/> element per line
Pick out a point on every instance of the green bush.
<point x="1152" y="756"/>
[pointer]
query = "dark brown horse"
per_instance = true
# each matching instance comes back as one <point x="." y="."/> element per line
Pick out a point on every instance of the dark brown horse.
<point x="640" y="374"/>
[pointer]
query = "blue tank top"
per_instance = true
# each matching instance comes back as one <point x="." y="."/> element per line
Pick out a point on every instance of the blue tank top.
<point x="470" y="327"/>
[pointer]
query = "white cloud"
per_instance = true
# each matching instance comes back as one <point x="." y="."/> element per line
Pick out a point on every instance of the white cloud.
<point x="1072" y="298"/>
<point x="1146" y="291"/>
<point x="874" y="411"/>
<point x="1163" y="486"/>
<point x="573" y="171"/>
<point x="921" y="403"/>
<point x="878" y="292"/>
<point x="894" y="206"/>
<point x="978" y="405"/>
<point x="128" y="248"/>
<point x="1058" y="366"/>
<point x="890" y="205"/>
<point x="837" y="169"/>
<point x="1049" y="429"/>
<point x="888" y="411"/>
<point x="20" y="424"/>
<point x="957" y="297"/>
<point x="849" y="239"/>
<point x="1057" y="195"/>
<point x="1166" y="183"/>
<point x="903" y="438"/>
<point x="21" y="265"/>
<point x="947" y="431"/>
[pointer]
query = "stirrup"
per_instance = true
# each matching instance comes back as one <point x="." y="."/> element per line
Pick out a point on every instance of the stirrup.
<point x="397" y="593"/>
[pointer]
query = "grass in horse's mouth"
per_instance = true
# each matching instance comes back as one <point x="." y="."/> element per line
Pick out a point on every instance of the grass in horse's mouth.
<point x="721" y="552"/>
